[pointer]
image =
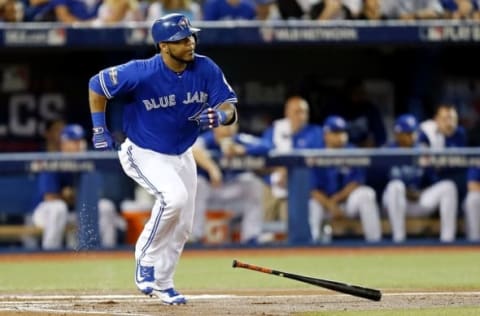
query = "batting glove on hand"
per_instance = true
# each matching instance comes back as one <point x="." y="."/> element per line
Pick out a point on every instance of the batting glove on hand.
<point x="211" y="118"/>
<point x="102" y="139"/>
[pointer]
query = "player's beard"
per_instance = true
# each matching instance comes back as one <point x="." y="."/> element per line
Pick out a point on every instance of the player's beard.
<point x="181" y="60"/>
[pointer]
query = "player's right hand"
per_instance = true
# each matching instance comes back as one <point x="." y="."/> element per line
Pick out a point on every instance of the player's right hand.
<point x="102" y="139"/>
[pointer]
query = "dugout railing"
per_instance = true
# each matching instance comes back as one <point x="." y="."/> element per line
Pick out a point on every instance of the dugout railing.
<point x="18" y="173"/>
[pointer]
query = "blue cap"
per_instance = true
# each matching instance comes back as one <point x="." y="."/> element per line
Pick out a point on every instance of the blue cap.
<point x="72" y="132"/>
<point x="406" y="123"/>
<point x="334" y="123"/>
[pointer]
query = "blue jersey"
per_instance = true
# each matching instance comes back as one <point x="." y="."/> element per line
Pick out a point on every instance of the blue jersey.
<point x="473" y="174"/>
<point x="254" y="146"/>
<point x="159" y="102"/>
<point x="331" y="180"/>
<point x="53" y="183"/>
<point x="311" y="136"/>
<point x="214" y="10"/>
<point x="414" y="177"/>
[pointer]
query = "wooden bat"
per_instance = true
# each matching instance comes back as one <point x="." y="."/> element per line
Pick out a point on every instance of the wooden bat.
<point x="355" y="290"/>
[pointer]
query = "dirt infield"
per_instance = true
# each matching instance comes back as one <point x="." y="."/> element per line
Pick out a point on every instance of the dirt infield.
<point x="258" y="303"/>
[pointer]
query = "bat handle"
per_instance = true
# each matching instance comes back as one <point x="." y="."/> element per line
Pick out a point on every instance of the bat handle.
<point x="239" y="264"/>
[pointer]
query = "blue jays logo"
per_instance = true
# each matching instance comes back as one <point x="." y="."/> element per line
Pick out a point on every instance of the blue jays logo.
<point x="183" y="23"/>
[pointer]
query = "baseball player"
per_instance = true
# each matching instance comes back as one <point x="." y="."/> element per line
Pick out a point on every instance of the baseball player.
<point x="443" y="130"/>
<point x="472" y="205"/>
<point x="237" y="190"/>
<point x="56" y="200"/>
<point x="291" y="132"/>
<point x="416" y="191"/>
<point x="340" y="191"/>
<point x="168" y="99"/>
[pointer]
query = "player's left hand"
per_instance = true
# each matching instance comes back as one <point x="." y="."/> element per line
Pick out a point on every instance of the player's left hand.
<point x="210" y="118"/>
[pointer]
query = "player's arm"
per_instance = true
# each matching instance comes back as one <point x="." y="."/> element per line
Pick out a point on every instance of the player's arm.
<point x="204" y="160"/>
<point x="104" y="86"/>
<point x="327" y="202"/>
<point x="321" y="198"/>
<point x="343" y="194"/>
<point x="230" y="111"/>
<point x="96" y="101"/>
<point x="102" y="139"/>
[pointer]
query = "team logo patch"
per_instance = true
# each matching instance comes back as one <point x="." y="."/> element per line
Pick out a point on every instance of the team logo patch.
<point x="113" y="74"/>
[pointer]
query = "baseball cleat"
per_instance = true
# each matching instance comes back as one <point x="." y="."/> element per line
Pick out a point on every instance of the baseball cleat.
<point x="145" y="279"/>
<point x="170" y="297"/>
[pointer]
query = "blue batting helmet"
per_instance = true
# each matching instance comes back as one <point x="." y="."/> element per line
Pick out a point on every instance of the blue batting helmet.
<point x="172" y="27"/>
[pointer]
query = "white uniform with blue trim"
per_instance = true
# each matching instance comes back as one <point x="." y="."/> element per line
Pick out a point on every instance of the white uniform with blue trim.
<point x="433" y="195"/>
<point x="472" y="207"/>
<point x="157" y="154"/>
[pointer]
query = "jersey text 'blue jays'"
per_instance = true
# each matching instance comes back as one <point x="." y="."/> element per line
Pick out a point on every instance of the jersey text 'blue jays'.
<point x="164" y="108"/>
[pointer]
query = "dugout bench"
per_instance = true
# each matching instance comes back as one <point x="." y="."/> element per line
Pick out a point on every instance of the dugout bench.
<point x="298" y="162"/>
<point x="17" y="203"/>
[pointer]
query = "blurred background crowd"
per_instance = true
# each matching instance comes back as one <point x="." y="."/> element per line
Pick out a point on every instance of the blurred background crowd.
<point x="101" y="12"/>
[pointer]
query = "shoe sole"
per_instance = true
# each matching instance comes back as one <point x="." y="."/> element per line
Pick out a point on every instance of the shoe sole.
<point x="183" y="302"/>
<point x="174" y="304"/>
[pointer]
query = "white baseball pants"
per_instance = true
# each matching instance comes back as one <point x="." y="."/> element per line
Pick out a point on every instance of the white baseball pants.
<point x="53" y="217"/>
<point x="472" y="215"/>
<point x="442" y="195"/>
<point x="242" y="195"/>
<point x="172" y="179"/>
<point x="361" y="202"/>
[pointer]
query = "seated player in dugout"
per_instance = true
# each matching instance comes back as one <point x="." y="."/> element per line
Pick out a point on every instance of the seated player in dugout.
<point x="56" y="200"/>
<point x="338" y="192"/>
<point x="416" y="191"/>
<point x="472" y="205"/>
<point x="239" y="191"/>
<point x="293" y="131"/>
<point x="442" y="130"/>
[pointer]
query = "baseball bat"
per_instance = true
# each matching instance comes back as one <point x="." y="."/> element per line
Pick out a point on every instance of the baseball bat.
<point x="355" y="290"/>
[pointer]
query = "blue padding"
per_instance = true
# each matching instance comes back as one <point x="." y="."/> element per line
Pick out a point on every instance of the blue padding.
<point x="17" y="194"/>
<point x="117" y="187"/>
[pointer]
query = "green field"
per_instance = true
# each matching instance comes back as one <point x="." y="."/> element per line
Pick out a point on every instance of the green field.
<point x="438" y="270"/>
<point x="390" y="271"/>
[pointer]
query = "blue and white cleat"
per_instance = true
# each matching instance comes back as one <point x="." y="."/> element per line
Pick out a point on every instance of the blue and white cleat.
<point x="170" y="297"/>
<point x="144" y="279"/>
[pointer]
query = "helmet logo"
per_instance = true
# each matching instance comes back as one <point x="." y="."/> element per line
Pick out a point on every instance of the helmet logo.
<point x="183" y="23"/>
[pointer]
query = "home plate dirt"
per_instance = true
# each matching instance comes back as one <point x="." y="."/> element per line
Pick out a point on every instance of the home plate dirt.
<point x="235" y="303"/>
